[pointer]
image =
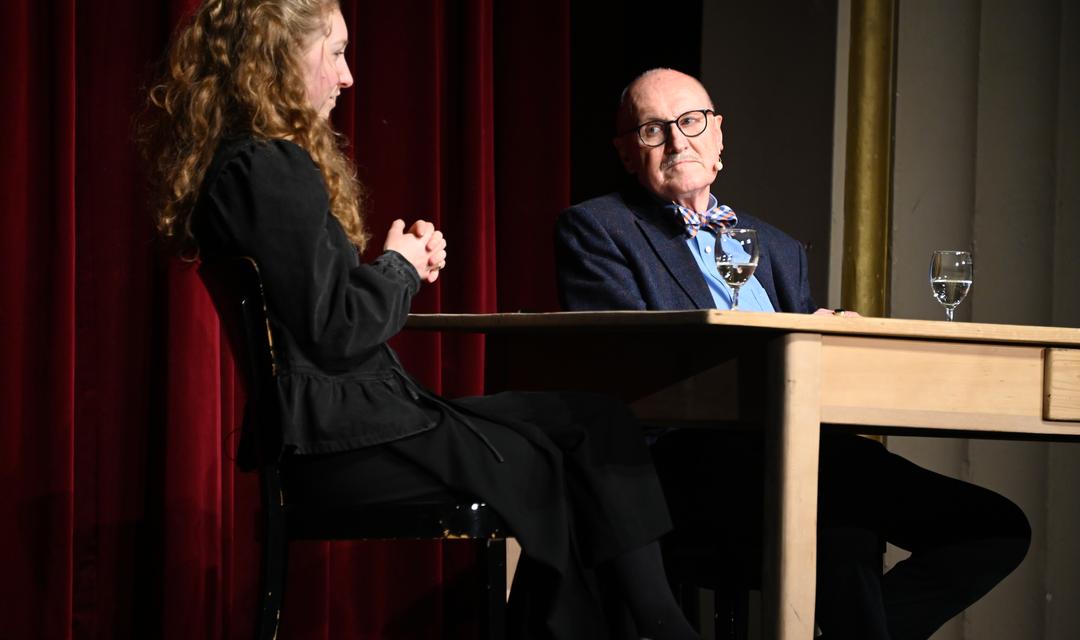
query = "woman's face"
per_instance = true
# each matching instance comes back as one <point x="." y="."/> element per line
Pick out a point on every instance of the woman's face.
<point x="325" y="70"/>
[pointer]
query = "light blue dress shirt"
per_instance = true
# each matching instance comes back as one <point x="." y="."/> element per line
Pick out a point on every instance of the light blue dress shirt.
<point x="752" y="296"/>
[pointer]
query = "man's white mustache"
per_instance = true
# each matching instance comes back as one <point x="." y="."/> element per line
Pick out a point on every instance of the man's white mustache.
<point x="670" y="161"/>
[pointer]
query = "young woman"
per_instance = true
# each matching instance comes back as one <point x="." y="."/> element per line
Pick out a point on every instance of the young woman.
<point x="247" y="165"/>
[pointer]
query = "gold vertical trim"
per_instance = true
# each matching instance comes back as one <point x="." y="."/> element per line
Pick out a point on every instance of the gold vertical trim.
<point x="868" y="173"/>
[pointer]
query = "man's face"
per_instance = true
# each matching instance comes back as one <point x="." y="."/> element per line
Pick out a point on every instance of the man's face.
<point x="325" y="70"/>
<point x="682" y="168"/>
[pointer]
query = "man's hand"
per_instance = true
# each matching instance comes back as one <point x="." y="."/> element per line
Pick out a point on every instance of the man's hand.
<point x="422" y="245"/>
<point x="838" y="312"/>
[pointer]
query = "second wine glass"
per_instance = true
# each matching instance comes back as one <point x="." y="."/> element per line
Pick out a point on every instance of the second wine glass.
<point x="736" y="258"/>
<point x="951" y="274"/>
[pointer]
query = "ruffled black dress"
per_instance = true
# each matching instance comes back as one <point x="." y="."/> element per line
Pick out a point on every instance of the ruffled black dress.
<point x="570" y="473"/>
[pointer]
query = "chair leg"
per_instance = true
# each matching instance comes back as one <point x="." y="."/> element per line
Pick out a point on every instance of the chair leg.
<point x="742" y="614"/>
<point x="687" y="596"/>
<point x="724" y="615"/>
<point x="493" y="565"/>
<point x="272" y="580"/>
<point x="732" y="613"/>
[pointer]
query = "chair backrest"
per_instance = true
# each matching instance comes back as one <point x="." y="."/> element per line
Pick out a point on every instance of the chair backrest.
<point x="237" y="292"/>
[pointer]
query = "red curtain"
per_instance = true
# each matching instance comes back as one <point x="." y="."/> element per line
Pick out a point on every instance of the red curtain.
<point x="38" y="321"/>
<point x="122" y="513"/>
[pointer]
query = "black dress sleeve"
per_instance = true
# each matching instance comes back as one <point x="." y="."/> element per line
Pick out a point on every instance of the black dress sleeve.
<point x="269" y="201"/>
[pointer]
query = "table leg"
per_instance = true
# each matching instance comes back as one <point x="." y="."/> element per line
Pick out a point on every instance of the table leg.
<point x="793" y="426"/>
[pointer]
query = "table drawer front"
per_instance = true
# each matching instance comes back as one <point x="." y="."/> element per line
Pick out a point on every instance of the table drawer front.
<point x="1062" y="385"/>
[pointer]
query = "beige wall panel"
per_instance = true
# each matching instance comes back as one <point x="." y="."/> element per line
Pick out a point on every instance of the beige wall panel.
<point x="1014" y="231"/>
<point x="1015" y="161"/>
<point x="1066" y="303"/>
<point x="933" y="186"/>
<point x="934" y="180"/>
<point x="988" y="153"/>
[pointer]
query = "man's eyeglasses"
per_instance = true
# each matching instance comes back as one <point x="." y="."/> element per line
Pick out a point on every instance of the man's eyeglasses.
<point x="655" y="132"/>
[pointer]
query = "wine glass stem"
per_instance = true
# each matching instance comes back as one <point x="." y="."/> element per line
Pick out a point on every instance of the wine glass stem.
<point x="948" y="313"/>
<point x="734" y="298"/>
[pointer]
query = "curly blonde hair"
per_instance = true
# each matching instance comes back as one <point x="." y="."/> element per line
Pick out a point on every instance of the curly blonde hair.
<point x="234" y="69"/>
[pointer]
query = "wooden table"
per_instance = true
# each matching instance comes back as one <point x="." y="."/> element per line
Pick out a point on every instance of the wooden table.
<point x="791" y="373"/>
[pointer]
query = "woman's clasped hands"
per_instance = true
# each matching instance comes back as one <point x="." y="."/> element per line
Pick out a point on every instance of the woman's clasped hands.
<point x="422" y="245"/>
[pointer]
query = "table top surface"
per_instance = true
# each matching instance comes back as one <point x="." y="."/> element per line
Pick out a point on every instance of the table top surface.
<point x="708" y="319"/>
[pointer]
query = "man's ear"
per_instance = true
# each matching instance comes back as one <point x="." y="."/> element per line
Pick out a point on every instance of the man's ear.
<point x="627" y="153"/>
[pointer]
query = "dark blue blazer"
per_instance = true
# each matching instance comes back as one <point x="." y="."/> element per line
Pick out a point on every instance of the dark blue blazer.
<point x="627" y="251"/>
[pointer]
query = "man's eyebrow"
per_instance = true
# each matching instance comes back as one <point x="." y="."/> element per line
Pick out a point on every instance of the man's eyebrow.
<point x="654" y="118"/>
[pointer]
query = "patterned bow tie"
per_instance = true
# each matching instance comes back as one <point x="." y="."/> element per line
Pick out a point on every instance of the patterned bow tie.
<point x="715" y="219"/>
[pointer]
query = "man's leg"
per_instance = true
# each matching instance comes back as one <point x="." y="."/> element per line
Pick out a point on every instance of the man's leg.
<point x="964" y="539"/>
<point x="849" y="600"/>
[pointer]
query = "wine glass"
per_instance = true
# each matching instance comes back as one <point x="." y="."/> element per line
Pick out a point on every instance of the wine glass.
<point x="736" y="258"/>
<point x="951" y="273"/>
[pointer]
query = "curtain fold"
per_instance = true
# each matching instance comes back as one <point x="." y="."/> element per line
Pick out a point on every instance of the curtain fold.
<point x="124" y="515"/>
<point x="37" y="322"/>
<point x="532" y="147"/>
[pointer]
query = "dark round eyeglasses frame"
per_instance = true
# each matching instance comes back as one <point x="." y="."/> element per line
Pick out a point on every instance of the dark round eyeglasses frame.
<point x="667" y="124"/>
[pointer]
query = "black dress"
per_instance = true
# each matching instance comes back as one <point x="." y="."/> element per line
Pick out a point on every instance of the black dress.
<point x="570" y="473"/>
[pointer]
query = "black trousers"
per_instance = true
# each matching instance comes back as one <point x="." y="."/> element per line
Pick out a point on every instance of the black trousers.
<point x="963" y="539"/>
<point x="577" y="488"/>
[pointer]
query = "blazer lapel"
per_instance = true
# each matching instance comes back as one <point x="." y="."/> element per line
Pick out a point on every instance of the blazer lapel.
<point x="669" y="243"/>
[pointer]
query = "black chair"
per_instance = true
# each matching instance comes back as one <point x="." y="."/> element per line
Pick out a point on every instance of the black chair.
<point x="236" y="289"/>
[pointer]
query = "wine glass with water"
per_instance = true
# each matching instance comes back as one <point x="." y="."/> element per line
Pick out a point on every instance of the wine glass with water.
<point x="951" y="273"/>
<point x="736" y="258"/>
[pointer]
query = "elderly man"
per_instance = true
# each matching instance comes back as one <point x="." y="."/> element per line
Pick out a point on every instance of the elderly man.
<point x="649" y="247"/>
